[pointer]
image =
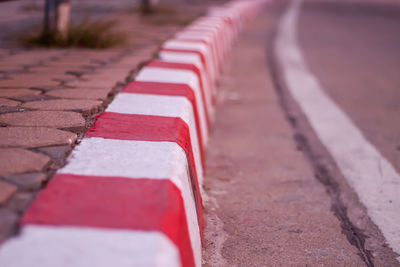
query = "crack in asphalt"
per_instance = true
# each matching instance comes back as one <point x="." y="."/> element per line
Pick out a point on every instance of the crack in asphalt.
<point x="354" y="235"/>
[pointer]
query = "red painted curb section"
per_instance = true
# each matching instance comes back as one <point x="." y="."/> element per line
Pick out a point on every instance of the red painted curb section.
<point x="184" y="66"/>
<point x="170" y="89"/>
<point x="112" y="125"/>
<point x="114" y="202"/>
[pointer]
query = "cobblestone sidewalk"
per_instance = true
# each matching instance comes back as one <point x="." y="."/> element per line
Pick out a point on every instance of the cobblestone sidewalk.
<point x="49" y="97"/>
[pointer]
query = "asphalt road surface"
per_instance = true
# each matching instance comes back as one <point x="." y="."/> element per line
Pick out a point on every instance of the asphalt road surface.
<point x="354" y="50"/>
<point x="354" y="54"/>
<point x="304" y="161"/>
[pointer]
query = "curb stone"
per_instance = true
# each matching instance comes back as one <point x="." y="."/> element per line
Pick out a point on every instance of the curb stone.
<point x="130" y="194"/>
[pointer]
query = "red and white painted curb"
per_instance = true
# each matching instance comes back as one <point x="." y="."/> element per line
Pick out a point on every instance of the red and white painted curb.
<point x="130" y="194"/>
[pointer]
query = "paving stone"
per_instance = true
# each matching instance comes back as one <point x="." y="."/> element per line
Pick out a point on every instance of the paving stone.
<point x="78" y="72"/>
<point x="20" y="201"/>
<point x="140" y="56"/>
<point x="101" y="62"/>
<point x="29" y="98"/>
<point x="17" y="160"/>
<point x="28" y="181"/>
<point x="43" y="76"/>
<point x="8" y="109"/>
<point x="7" y="71"/>
<point x="54" y="119"/>
<point x="67" y="78"/>
<point x="50" y="87"/>
<point x="96" y="94"/>
<point x="97" y="83"/>
<point x="12" y="65"/>
<point x="8" y="102"/>
<point x="88" y="56"/>
<point x="114" y="69"/>
<point x="57" y="154"/>
<point x="58" y="70"/>
<point x="30" y="137"/>
<point x="17" y="92"/>
<point x="32" y="57"/>
<point x="39" y="70"/>
<point x="73" y="64"/>
<point x="117" y="74"/>
<point x="71" y="60"/>
<point x="86" y="106"/>
<point x="27" y="82"/>
<point x="8" y="223"/>
<point x="77" y="62"/>
<point x="6" y="192"/>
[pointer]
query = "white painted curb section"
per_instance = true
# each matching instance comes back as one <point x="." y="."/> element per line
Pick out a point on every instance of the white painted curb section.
<point x="100" y="248"/>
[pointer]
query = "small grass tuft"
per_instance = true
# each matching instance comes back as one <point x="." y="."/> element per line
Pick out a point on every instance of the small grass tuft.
<point x="96" y="34"/>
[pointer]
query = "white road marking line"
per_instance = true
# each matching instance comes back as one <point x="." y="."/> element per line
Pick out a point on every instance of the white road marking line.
<point x="372" y="176"/>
